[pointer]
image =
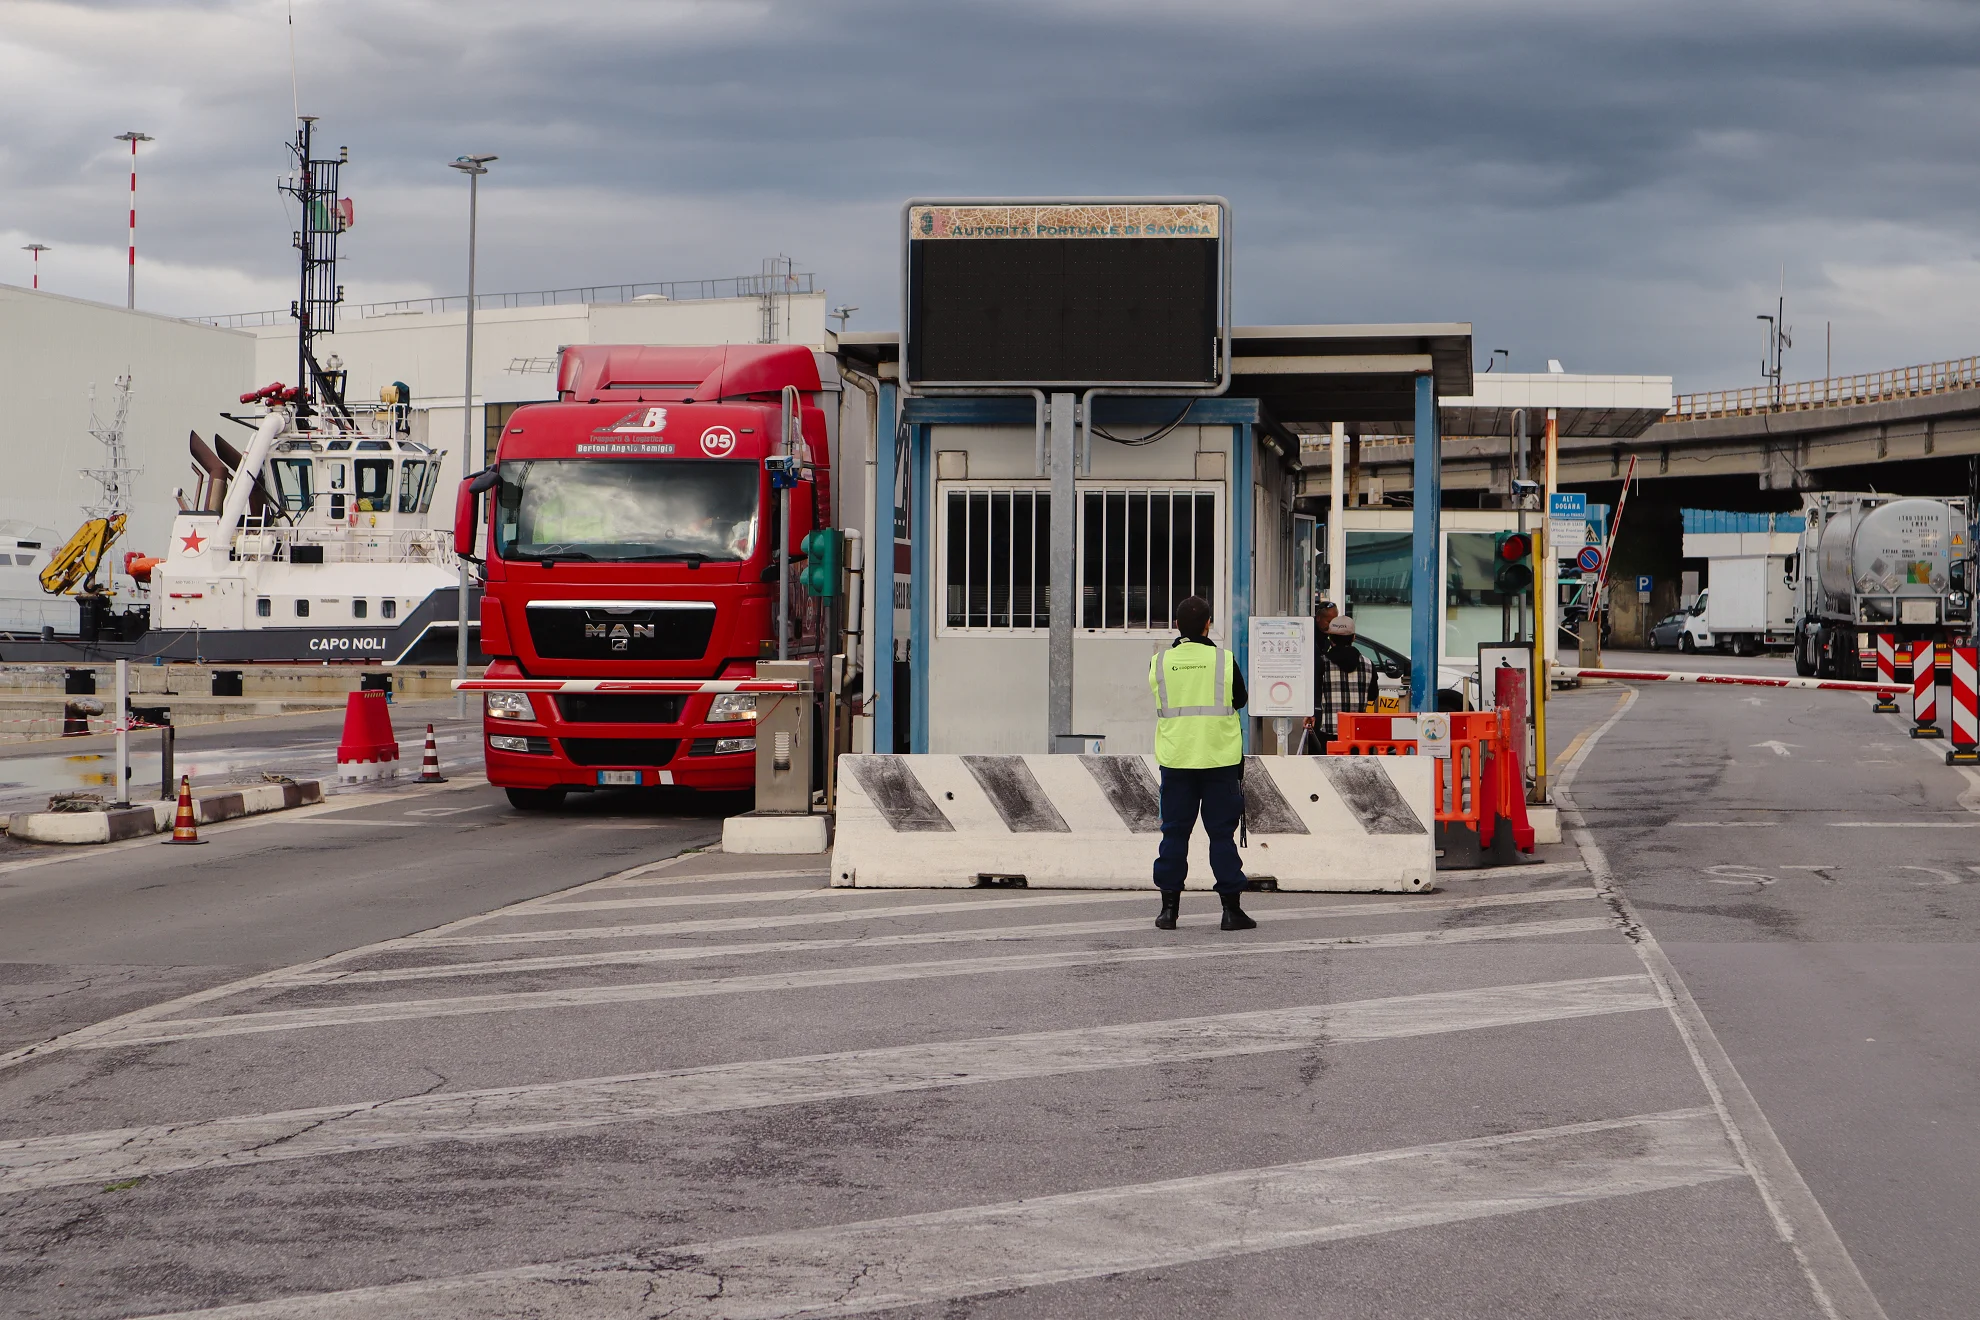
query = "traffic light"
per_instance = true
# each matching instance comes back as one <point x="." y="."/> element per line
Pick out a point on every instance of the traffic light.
<point x="1513" y="574"/>
<point x="824" y="558"/>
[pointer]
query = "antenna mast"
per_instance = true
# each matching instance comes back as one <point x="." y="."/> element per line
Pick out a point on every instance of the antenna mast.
<point x="117" y="475"/>
<point x="325" y="215"/>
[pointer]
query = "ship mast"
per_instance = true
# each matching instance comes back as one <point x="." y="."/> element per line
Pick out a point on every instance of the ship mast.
<point x="325" y="215"/>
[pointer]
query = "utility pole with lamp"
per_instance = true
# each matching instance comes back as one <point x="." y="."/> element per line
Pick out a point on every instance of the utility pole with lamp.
<point x="130" y="278"/>
<point x="474" y="167"/>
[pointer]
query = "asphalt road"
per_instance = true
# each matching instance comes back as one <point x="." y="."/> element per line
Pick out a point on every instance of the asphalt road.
<point x="444" y="1060"/>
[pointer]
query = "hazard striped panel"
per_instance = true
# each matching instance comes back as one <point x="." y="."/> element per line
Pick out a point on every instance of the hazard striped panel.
<point x="1342" y="823"/>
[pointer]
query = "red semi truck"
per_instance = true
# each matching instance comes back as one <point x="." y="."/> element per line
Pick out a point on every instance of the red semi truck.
<point x="632" y="532"/>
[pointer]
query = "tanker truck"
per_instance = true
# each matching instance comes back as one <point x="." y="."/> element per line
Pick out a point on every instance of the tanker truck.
<point x="1872" y="564"/>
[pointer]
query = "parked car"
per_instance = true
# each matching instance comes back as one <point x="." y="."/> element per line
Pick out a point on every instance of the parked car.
<point x="1392" y="677"/>
<point x="1666" y="631"/>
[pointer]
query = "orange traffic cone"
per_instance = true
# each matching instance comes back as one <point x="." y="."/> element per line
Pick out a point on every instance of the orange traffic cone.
<point x="429" y="762"/>
<point x="185" y="829"/>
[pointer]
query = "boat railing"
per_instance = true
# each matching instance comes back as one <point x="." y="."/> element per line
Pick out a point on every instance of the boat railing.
<point x="258" y="539"/>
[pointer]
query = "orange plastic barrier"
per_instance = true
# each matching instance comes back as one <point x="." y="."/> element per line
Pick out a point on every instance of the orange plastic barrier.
<point x="1479" y="792"/>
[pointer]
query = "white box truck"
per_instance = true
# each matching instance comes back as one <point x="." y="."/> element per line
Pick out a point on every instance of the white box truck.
<point x="1750" y="602"/>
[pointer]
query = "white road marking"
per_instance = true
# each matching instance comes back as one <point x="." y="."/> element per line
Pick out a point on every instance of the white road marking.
<point x="297" y="1019"/>
<point x="1779" y="748"/>
<point x="1904" y="824"/>
<point x="1803" y="1226"/>
<point x="1724" y="824"/>
<point x="504" y="1112"/>
<point x="641" y="880"/>
<point x="849" y="1269"/>
<point x="976" y="934"/>
<point x="1532" y="871"/>
<point x="817" y="917"/>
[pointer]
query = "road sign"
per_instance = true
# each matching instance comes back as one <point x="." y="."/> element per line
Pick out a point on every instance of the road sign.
<point x="1643" y="583"/>
<point x="1590" y="559"/>
<point x="1067" y="293"/>
<point x="1567" y="523"/>
<point x="1281" y="678"/>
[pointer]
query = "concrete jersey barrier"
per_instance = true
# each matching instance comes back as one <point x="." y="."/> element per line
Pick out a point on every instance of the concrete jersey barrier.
<point x="1334" y="823"/>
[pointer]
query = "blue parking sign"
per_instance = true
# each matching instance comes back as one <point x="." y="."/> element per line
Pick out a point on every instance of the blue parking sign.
<point x="1643" y="583"/>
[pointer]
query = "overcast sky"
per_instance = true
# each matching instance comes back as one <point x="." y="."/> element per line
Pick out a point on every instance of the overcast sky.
<point x="1617" y="185"/>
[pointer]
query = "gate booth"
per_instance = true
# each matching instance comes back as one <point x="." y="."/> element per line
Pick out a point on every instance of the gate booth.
<point x="1052" y="504"/>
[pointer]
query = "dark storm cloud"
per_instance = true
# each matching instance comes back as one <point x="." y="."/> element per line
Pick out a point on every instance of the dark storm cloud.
<point x="1617" y="185"/>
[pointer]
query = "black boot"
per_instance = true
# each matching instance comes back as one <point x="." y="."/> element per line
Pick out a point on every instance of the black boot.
<point x="1171" y="905"/>
<point x="1234" y="918"/>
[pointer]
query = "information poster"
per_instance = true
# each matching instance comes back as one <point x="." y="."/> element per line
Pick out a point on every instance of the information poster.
<point x="1281" y="677"/>
<point x="1567" y="524"/>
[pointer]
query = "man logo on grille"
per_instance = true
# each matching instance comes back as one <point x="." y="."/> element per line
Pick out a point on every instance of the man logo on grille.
<point x="618" y="635"/>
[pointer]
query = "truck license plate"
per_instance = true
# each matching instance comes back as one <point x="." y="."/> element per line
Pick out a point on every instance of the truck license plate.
<point x="618" y="776"/>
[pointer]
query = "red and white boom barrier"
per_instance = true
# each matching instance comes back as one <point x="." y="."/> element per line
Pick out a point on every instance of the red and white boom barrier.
<point x="1741" y="680"/>
<point x="687" y="686"/>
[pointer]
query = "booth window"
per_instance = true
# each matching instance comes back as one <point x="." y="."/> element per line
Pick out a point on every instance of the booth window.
<point x="1139" y="551"/>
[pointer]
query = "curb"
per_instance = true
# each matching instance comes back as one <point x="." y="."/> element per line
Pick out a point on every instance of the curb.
<point x="209" y="808"/>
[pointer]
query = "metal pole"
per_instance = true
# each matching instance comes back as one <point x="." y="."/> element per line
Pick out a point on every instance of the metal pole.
<point x="130" y="277"/>
<point x="1543" y="609"/>
<point x="1426" y="611"/>
<point x="1337" y="521"/>
<point x="37" y="249"/>
<point x="1059" y="646"/>
<point x="167" y="737"/>
<point x="784" y="573"/>
<point x="123" y="727"/>
<point x="467" y="448"/>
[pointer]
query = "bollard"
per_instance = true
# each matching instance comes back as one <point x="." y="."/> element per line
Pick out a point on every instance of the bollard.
<point x="1887" y="649"/>
<point x="1924" y="690"/>
<point x="123" y="727"/>
<point x="1965" y="713"/>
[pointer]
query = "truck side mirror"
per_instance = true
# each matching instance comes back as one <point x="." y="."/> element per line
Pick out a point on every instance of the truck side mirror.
<point x="466" y="524"/>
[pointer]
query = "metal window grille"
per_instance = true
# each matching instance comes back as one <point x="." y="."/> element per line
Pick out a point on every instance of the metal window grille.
<point x="998" y="559"/>
<point x="1140" y="552"/>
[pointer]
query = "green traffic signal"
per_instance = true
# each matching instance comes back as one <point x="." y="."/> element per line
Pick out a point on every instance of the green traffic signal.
<point x="824" y="561"/>
<point x="1513" y="575"/>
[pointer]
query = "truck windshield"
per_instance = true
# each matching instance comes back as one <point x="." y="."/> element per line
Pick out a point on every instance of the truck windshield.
<point x="608" y="509"/>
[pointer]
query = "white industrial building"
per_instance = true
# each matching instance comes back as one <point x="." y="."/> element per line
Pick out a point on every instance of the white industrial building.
<point x="53" y="351"/>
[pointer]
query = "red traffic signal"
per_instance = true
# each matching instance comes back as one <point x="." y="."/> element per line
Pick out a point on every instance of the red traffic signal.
<point x="1514" y="547"/>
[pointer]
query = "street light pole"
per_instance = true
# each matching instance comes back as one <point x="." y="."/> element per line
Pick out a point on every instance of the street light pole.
<point x="37" y="249"/>
<point x="474" y="167"/>
<point x="130" y="276"/>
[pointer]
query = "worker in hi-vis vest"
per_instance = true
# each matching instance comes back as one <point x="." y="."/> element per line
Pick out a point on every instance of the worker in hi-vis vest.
<point x="1199" y="743"/>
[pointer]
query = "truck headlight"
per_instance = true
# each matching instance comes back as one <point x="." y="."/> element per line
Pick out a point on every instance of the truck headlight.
<point x="734" y="745"/>
<point x="510" y="706"/>
<point x="504" y="743"/>
<point x="729" y="706"/>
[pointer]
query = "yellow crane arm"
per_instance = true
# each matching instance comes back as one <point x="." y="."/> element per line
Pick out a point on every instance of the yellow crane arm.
<point x="75" y="564"/>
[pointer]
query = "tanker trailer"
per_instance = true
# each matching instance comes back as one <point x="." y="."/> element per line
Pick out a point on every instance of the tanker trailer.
<point x="1878" y="563"/>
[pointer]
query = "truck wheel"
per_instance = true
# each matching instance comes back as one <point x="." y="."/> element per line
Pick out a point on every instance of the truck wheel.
<point x="535" y="799"/>
<point x="1686" y="645"/>
<point x="1804" y="660"/>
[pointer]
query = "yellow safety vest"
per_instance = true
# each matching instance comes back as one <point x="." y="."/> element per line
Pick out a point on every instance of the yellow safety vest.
<point x="1196" y="727"/>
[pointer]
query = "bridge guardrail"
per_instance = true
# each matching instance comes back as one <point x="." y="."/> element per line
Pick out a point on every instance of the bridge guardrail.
<point x="1831" y="392"/>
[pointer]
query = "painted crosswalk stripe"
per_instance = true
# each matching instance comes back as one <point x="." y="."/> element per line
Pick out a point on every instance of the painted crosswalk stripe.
<point x="817" y="873"/>
<point x="821" y="914"/>
<point x="549" y="1108"/>
<point x="850" y="1269"/>
<point x="976" y="934"/>
<point x="298" y="1019"/>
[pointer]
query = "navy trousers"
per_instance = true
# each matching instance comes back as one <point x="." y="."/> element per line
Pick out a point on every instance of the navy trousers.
<point x="1218" y="794"/>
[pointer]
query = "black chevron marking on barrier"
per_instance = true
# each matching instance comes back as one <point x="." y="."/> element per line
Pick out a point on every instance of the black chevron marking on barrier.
<point x="1266" y="810"/>
<point x="1014" y="791"/>
<point x="1131" y="790"/>
<point x="903" y="803"/>
<point x="1371" y="795"/>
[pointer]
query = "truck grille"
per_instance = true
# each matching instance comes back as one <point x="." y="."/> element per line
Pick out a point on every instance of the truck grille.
<point x="614" y="708"/>
<point x="620" y="751"/>
<point x="634" y="634"/>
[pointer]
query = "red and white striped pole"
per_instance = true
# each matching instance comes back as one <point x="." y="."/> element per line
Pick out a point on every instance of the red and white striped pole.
<point x="1925" y="690"/>
<point x="1965" y="708"/>
<point x="1887" y="673"/>
<point x="37" y="249"/>
<point x="130" y="278"/>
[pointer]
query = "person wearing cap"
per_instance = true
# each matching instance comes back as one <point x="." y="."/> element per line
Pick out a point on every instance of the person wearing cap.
<point x="1199" y="743"/>
<point x="1344" y="681"/>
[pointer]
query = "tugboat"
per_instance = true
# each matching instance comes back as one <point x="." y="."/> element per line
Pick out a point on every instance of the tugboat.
<point x="311" y="545"/>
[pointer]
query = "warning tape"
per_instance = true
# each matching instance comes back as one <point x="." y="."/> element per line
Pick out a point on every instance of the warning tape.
<point x="1743" y="680"/>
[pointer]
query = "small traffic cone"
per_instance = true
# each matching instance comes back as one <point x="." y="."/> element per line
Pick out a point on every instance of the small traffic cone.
<point x="185" y="829"/>
<point x="429" y="762"/>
